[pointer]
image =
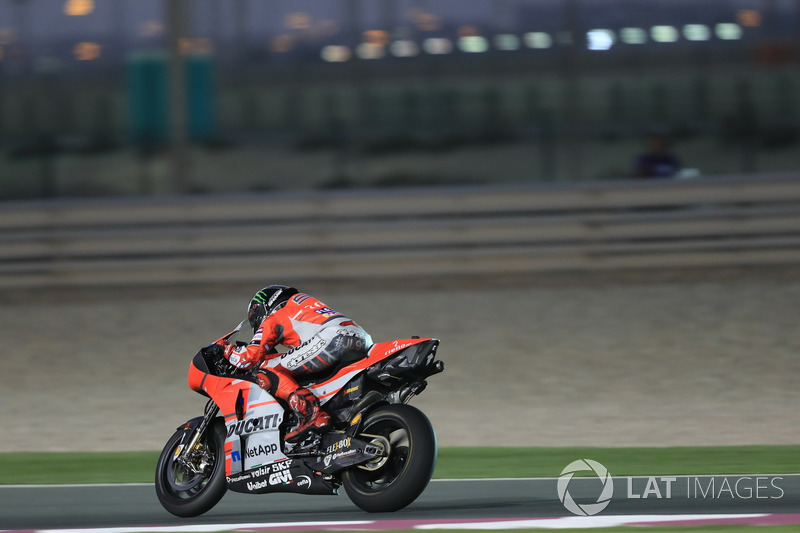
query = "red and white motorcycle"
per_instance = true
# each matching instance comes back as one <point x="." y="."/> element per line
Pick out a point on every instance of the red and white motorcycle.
<point x="380" y="449"/>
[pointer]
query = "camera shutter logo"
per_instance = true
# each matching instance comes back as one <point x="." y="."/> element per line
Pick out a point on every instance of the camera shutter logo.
<point x="586" y="509"/>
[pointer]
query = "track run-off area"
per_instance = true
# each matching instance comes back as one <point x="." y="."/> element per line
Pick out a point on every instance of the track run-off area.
<point x="446" y="504"/>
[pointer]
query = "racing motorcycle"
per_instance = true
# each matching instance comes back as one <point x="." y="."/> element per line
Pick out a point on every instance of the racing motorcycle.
<point x="382" y="450"/>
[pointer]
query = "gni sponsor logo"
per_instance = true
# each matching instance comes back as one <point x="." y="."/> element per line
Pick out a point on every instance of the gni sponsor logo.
<point x="277" y="474"/>
<point x="258" y="423"/>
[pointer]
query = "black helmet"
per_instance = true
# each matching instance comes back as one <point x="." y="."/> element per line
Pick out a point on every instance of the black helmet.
<point x="267" y="301"/>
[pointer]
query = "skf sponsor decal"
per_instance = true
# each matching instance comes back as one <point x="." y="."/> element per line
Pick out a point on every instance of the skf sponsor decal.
<point x="274" y="474"/>
<point x="258" y="423"/>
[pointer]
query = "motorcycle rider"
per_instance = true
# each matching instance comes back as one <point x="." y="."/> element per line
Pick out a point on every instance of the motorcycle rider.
<point x="320" y="338"/>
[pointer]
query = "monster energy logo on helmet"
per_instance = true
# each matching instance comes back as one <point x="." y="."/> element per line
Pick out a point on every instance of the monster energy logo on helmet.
<point x="266" y="301"/>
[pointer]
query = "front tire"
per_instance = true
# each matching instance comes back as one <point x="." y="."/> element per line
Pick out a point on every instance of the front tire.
<point x="401" y="477"/>
<point x="183" y="492"/>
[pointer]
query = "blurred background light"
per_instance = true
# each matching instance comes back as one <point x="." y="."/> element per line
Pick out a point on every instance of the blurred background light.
<point x="427" y="22"/>
<point x="404" y="48"/>
<point x="473" y="44"/>
<point x="728" y="31"/>
<point x="151" y="28"/>
<point x="437" y="45"/>
<point x="297" y="21"/>
<point x="506" y="41"/>
<point x="370" y="51"/>
<point x="696" y="32"/>
<point x="633" y="35"/>
<point x="87" y="51"/>
<point x="376" y="37"/>
<point x="468" y="31"/>
<point x="326" y="28"/>
<point x="335" y="53"/>
<point x="538" y="39"/>
<point x="600" y="39"/>
<point x="749" y="17"/>
<point x="281" y="44"/>
<point x="664" y="34"/>
<point x="268" y="78"/>
<point x="78" y="8"/>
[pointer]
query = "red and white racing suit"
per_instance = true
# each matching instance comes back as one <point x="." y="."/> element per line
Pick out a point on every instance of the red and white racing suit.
<point x="320" y="339"/>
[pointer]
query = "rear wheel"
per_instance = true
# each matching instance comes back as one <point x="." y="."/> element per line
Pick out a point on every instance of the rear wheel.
<point x="396" y="480"/>
<point x="192" y="489"/>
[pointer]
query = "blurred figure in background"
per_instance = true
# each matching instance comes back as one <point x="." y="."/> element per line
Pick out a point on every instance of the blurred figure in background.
<point x="657" y="161"/>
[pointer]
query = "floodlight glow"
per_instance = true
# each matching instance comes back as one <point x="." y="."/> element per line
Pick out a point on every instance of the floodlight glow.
<point x="506" y="41"/>
<point x="696" y="32"/>
<point x="370" y="51"/>
<point x="404" y="49"/>
<point x="474" y="44"/>
<point x="437" y="45"/>
<point x="335" y="53"/>
<point x="664" y="34"/>
<point x="538" y="39"/>
<point x="599" y="39"/>
<point x="633" y="35"/>
<point x="728" y="31"/>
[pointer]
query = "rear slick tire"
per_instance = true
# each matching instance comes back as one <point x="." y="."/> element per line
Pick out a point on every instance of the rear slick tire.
<point x="182" y="493"/>
<point x="400" y="479"/>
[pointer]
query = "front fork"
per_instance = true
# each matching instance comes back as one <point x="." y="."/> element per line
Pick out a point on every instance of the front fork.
<point x="188" y="454"/>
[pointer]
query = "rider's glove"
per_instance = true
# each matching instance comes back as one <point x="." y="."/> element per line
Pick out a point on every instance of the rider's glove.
<point x="240" y="359"/>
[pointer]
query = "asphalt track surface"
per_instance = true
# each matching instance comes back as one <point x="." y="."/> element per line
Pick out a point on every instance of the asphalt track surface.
<point x="91" y="506"/>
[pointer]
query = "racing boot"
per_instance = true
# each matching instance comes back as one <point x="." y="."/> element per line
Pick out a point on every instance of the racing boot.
<point x="311" y="418"/>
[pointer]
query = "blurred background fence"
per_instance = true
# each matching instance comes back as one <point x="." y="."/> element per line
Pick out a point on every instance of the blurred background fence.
<point x="370" y="234"/>
<point x="275" y="95"/>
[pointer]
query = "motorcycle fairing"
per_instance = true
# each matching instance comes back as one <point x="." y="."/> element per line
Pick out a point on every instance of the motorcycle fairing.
<point x="341" y="451"/>
<point x="378" y="352"/>
<point x="253" y="436"/>
<point x="287" y="475"/>
<point x="253" y="416"/>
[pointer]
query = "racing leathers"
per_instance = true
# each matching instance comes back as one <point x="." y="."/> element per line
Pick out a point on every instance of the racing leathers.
<point x="320" y="339"/>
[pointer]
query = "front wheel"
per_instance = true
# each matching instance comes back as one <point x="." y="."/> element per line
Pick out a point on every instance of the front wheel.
<point x="398" y="479"/>
<point x="193" y="488"/>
